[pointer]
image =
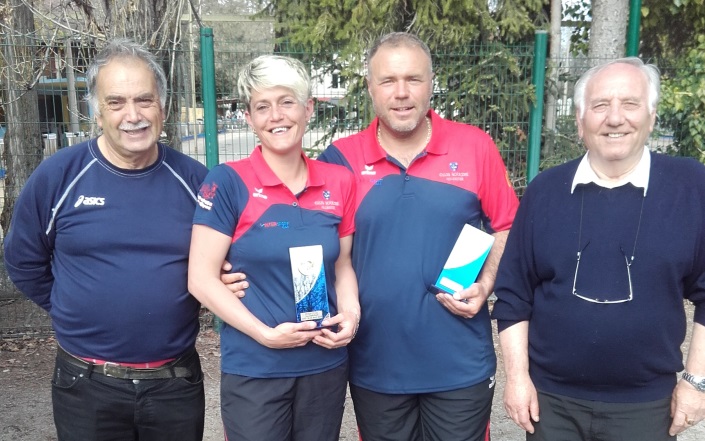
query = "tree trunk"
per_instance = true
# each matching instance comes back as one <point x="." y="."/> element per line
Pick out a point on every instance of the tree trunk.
<point x="608" y="31"/>
<point x="552" y="88"/>
<point x="23" y="145"/>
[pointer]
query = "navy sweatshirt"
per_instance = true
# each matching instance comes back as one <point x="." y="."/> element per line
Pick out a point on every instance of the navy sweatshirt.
<point x="105" y="251"/>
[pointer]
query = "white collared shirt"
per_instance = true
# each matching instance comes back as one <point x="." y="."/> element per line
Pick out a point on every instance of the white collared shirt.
<point x="639" y="177"/>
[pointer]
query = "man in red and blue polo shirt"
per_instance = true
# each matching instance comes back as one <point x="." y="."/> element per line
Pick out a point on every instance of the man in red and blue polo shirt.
<point x="422" y="365"/>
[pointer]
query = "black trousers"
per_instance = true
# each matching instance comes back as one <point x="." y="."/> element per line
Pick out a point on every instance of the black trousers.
<point x="568" y="419"/>
<point x="307" y="408"/>
<point x="457" y="415"/>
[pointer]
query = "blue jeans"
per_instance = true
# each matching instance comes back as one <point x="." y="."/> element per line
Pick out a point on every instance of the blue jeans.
<point x="100" y="408"/>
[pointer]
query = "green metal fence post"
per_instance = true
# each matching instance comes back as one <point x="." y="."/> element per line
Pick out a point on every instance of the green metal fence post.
<point x="210" y="123"/>
<point x="210" y="118"/>
<point x="538" y="77"/>
<point x="633" y="29"/>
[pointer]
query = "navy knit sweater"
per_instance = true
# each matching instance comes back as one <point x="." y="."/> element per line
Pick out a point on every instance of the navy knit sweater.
<point x="620" y="352"/>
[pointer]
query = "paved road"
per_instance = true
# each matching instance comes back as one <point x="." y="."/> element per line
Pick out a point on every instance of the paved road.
<point x="238" y="143"/>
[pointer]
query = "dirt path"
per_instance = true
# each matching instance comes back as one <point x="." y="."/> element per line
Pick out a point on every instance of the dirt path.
<point x="25" y="393"/>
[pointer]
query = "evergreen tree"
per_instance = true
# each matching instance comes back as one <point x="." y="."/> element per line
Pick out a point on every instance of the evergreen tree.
<point x="479" y="79"/>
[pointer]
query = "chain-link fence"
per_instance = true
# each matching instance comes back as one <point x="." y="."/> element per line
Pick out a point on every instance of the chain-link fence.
<point x="488" y="86"/>
<point x="484" y="85"/>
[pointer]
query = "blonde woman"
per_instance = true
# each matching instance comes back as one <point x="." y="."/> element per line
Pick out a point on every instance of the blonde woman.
<point x="283" y="378"/>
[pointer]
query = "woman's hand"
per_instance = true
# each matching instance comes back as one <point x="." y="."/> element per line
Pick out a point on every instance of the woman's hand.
<point x="347" y="322"/>
<point x="289" y="335"/>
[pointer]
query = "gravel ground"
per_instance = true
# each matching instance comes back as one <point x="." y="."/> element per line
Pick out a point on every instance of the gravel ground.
<point x="25" y="394"/>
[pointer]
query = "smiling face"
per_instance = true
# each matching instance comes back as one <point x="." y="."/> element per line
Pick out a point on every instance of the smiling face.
<point x="617" y="121"/>
<point x="400" y="84"/>
<point x="278" y="119"/>
<point x="131" y="115"/>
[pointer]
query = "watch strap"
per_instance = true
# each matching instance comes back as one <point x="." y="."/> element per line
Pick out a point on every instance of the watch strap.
<point x="697" y="382"/>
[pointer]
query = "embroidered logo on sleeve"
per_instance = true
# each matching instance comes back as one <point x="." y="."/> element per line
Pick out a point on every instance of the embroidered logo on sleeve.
<point x="206" y="194"/>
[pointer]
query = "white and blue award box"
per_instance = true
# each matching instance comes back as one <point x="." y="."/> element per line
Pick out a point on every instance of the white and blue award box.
<point x="465" y="260"/>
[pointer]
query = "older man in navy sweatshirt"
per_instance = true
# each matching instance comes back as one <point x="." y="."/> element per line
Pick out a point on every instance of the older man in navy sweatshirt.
<point x="602" y="254"/>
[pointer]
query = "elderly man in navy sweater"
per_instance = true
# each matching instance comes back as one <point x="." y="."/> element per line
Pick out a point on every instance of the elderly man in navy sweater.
<point x="603" y="251"/>
<point x="100" y="239"/>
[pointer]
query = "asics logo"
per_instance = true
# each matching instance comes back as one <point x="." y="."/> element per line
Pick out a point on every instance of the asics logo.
<point x="89" y="200"/>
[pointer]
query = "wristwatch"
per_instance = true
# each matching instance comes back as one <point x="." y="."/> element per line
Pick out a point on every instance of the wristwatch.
<point x="697" y="382"/>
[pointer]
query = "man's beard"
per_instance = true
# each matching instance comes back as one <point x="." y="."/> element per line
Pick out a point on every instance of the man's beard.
<point x="400" y="126"/>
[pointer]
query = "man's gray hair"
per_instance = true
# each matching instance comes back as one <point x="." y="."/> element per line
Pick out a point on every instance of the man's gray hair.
<point x="398" y="39"/>
<point x="268" y="71"/>
<point x="123" y="48"/>
<point x="650" y="71"/>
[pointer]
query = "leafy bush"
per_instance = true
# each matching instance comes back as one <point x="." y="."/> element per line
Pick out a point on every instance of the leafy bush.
<point x="682" y="108"/>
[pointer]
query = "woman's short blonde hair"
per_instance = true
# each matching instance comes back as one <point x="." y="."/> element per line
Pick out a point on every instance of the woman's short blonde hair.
<point x="268" y="71"/>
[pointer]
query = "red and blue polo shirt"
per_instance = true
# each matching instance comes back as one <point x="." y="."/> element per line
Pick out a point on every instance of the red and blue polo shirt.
<point x="245" y="200"/>
<point x="407" y="221"/>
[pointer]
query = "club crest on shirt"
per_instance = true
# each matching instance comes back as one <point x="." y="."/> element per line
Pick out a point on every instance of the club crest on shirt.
<point x="208" y="191"/>
<point x="454" y="174"/>
<point x="206" y="194"/>
<point x="327" y="203"/>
